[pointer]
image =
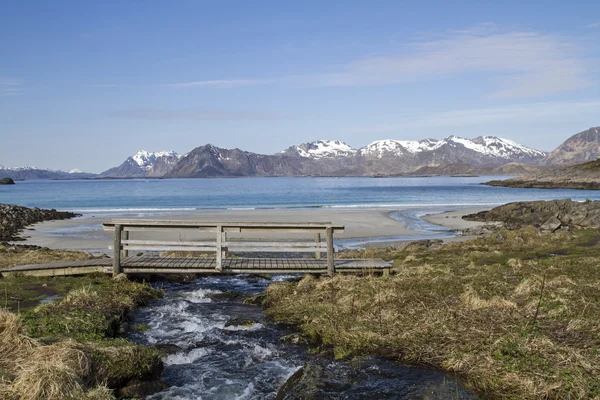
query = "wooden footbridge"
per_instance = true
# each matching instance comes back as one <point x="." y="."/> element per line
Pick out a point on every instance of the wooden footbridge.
<point x="185" y="247"/>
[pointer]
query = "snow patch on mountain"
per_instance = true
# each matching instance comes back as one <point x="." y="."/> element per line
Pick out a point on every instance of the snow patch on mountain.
<point x="322" y="149"/>
<point x="496" y="147"/>
<point x="486" y="145"/>
<point x="379" y="148"/>
<point x="146" y="160"/>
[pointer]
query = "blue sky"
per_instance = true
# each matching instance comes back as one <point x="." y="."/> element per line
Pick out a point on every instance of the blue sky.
<point x="85" y="84"/>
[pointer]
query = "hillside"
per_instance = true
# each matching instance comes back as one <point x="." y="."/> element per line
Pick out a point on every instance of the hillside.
<point x="581" y="176"/>
<point x="579" y="148"/>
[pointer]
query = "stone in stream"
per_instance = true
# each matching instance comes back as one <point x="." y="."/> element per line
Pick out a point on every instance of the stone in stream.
<point x="246" y="322"/>
<point x="141" y="389"/>
<point x="257" y="300"/>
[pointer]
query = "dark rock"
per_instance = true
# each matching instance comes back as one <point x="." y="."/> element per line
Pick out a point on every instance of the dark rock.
<point x="240" y="322"/>
<point x="141" y="389"/>
<point x="294" y="338"/>
<point x="257" y="300"/>
<point x="551" y="215"/>
<point x="6" y="181"/>
<point x="481" y="230"/>
<point x="167" y="348"/>
<point x="14" y="219"/>
<point x="315" y="381"/>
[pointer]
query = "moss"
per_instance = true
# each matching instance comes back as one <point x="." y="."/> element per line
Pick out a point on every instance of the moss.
<point x="141" y="327"/>
<point x="119" y="361"/>
<point x="90" y="312"/>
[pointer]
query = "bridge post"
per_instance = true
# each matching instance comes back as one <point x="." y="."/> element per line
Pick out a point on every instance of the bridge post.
<point x="117" y="250"/>
<point x="219" y="249"/>
<point x="318" y="240"/>
<point x="330" y="251"/>
<point x="124" y="236"/>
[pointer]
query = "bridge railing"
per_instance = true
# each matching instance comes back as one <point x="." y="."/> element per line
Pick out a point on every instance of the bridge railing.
<point x="222" y="244"/>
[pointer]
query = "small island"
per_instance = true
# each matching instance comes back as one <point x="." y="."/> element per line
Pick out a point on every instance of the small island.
<point x="6" y="181"/>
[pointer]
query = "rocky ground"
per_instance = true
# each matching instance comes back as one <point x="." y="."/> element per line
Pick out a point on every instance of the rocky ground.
<point x="14" y="219"/>
<point x="544" y="215"/>
<point x="582" y="176"/>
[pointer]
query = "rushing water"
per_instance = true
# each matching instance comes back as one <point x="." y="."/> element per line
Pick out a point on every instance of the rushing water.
<point x="248" y="360"/>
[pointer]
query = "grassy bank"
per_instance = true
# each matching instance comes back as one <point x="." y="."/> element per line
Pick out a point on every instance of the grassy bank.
<point x="515" y="314"/>
<point x="68" y="348"/>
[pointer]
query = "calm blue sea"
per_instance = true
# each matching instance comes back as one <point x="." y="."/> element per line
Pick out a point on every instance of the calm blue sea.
<point x="151" y="196"/>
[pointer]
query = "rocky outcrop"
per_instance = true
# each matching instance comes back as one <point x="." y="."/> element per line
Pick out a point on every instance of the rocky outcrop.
<point x="545" y="215"/>
<point x="7" y="181"/>
<point x="15" y="218"/>
<point x="582" y="176"/>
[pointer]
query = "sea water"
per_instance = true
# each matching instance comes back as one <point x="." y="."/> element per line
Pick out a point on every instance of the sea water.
<point x="147" y="197"/>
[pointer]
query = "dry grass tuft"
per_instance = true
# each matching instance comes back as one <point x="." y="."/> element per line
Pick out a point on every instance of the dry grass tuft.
<point x="100" y="393"/>
<point x="14" y="345"/>
<point x="53" y="372"/>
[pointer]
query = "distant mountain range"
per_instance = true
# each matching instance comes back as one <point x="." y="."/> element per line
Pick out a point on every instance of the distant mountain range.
<point x="23" y="173"/>
<point x="483" y="155"/>
<point x="332" y="158"/>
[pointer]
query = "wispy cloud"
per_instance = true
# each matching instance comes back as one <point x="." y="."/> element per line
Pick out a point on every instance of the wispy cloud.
<point x="482" y="116"/>
<point x="593" y="25"/>
<point x="10" y="87"/>
<point x="526" y="64"/>
<point x="220" y="83"/>
<point x="156" y="114"/>
<point x="521" y="63"/>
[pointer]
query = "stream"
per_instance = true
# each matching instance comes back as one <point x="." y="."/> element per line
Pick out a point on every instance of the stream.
<point x="245" y="359"/>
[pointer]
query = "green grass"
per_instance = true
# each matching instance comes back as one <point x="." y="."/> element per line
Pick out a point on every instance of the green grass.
<point x="514" y="314"/>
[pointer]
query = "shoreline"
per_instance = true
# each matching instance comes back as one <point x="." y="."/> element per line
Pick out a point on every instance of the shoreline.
<point x="365" y="227"/>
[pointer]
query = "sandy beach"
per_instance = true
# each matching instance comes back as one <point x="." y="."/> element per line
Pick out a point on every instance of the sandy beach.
<point x="86" y="234"/>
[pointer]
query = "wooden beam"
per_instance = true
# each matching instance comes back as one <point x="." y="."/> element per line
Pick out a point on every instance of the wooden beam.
<point x="117" y="250"/>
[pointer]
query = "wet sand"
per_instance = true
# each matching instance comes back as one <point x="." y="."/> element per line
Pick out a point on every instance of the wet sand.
<point x="86" y="234"/>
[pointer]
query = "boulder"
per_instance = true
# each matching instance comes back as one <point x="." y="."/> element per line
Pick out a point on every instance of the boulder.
<point x="551" y="225"/>
<point x="6" y="181"/>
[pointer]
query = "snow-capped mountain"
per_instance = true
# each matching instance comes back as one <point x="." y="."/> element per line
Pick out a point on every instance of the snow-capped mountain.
<point x="330" y="158"/>
<point x="321" y="149"/>
<point x="144" y="164"/>
<point x="489" y="146"/>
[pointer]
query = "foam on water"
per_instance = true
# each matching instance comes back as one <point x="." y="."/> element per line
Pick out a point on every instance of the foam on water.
<point x="186" y="357"/>
<point x="200" y="295"/>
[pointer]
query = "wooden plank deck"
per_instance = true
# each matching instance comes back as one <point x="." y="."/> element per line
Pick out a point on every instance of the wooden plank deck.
<point x="199" y="265"/>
